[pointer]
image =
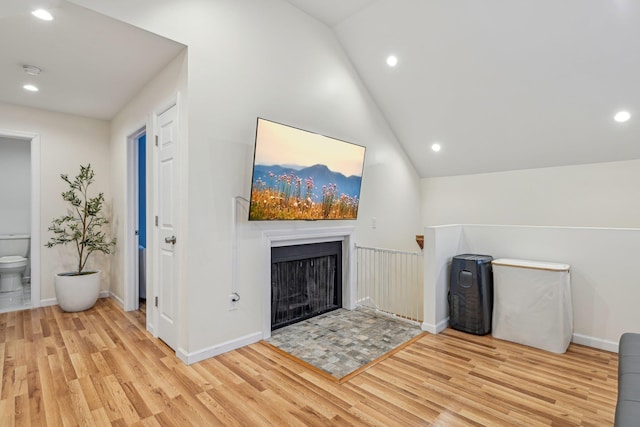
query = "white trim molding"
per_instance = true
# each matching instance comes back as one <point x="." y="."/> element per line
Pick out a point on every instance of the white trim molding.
<point x="54" y="301"/>
<point x="289" y="237"/>
<point x="594" y="342"/>
<point x="131" y="272"/>
<point x="437" y="328"/>
<point x="116" y="298"/>
<point x="35" y="245"/>
<point x="215" y="350"/>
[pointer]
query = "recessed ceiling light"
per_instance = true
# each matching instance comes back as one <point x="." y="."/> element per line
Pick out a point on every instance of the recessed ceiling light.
<point x="32" y="70"/>
<point x="42" y="14"/>
<point x="436" y="147"/>
<point x="622" y="116"/>
<point x="30" y="88"/>
<point x="392" y="61"/>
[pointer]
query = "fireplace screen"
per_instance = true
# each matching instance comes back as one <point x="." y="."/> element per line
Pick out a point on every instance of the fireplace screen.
<point x="306" y="280"/>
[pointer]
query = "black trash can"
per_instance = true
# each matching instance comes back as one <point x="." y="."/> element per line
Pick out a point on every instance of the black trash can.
<point x="471" y="293"/>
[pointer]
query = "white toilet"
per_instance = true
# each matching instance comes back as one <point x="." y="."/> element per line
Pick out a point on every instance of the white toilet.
<point x="14" y="249"/>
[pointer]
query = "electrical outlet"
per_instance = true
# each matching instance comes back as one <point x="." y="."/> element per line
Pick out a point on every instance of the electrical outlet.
<point x="374" y="223"/>
<point x="233" y="301"/>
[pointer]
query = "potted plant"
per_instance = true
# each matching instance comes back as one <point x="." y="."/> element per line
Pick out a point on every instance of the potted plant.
<point x="79" y="289"/>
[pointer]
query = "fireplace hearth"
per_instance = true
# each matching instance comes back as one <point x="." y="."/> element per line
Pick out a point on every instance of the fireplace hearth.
<point x="306" y="281"/>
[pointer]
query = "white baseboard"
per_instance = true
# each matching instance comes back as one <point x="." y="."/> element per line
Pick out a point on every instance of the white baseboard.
<point x="576" y="338"/>
<point x="595" y="342"/>
<point x="48" y="302"/>
<point x="54" y="301"/>
<point x="437" y="328"/>
<point x="215" y="350"/>
<point x="115" y="297"/>
<point x="363" y="301"/>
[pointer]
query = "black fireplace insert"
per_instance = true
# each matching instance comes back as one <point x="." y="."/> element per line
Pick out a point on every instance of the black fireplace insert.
<point x="306" y="280"/>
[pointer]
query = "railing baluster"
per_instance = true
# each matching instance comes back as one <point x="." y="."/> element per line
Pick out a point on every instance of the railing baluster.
<point x="390" y="281"/>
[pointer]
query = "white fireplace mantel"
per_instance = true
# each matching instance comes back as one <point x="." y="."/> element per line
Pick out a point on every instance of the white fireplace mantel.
<point x="290" y="237"/>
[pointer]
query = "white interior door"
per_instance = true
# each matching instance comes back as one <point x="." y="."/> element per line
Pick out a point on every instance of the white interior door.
<point x="167" y="218"/>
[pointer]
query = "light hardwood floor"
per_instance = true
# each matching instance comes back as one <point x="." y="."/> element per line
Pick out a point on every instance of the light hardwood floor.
<point x="101" y="367"/>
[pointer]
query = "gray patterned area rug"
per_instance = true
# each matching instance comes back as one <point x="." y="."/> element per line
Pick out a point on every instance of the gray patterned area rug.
<point x="342" y="341"/>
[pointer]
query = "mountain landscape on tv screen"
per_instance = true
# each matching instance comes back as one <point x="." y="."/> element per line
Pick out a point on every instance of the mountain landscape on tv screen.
<point x="320" y="174"/>
<point x="294" y="192"/>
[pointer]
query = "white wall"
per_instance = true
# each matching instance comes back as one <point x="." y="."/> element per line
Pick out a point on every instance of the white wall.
<point x="595" y="195"/>
<point x="603" y="195"/>
<point x="605" y="284"/>
<point x="15" y="186"/>
<point x="262" y="58"/>
<point x="441" y="243"/>
<point x="66" y="142"/>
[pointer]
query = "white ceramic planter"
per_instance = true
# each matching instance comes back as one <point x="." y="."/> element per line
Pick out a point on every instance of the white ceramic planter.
<point x="77" y="292"/>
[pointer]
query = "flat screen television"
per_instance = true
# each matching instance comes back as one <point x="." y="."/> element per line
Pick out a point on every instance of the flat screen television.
<point x="301" y="175"/>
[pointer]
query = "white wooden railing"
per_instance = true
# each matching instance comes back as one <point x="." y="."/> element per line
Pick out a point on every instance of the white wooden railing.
<point x="391" y="282"/>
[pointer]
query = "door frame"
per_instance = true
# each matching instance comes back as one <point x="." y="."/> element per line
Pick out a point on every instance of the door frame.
<point x="131" y="289"/>
<point x="34" y="140"/>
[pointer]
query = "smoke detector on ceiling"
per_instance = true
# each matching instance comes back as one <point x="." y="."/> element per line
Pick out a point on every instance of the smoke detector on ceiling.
<point x="32" y="70"/>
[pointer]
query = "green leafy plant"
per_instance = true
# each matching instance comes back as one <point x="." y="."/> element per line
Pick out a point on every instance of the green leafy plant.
<point x="83" y="223"/>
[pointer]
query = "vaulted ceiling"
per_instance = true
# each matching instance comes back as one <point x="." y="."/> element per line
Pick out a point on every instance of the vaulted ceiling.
<point x="500" y="85"/>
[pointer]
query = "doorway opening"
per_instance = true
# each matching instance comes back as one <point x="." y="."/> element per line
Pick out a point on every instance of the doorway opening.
<point x="136" y="245"/>
<point x="142" y="222"/>
<point x="20" y="221"/>
<point x="151" y="253"/>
